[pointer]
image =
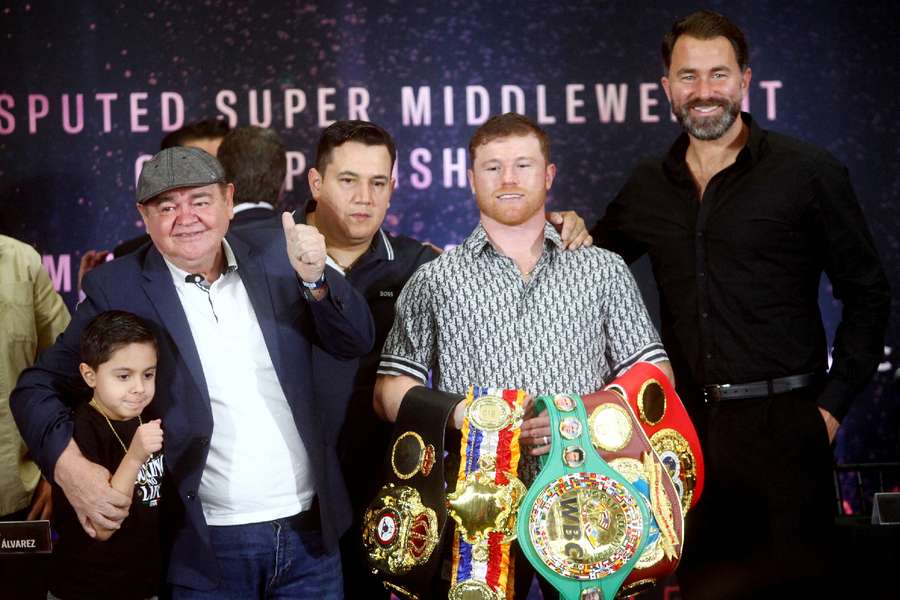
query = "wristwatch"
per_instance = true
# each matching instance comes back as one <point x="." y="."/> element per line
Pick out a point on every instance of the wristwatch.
<point x="314" y="285"/>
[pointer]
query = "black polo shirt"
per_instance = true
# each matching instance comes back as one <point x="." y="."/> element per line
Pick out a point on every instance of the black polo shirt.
<point x="379" y="275"/>
<point x="738" y="272"/>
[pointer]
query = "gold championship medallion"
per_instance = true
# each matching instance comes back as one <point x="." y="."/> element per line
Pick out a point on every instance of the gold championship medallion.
<point x="651" y="402"/>
<point x="675" y="454"/>
<point x="480" y="506"/>
<point x="472" y="589"/>
<point x="411" y="455"/>
<point x="610" y="427"/>
<point x="399" y="532"/>
<point x="492" y="413"/>
<point x="585" y="525"/>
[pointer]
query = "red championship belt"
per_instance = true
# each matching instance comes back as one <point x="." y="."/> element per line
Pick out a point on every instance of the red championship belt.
<point x="664" y="419"/>
<point x="621" y="441"/>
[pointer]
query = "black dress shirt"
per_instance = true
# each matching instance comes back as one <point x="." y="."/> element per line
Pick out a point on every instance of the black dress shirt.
<point x="738" y="271"/>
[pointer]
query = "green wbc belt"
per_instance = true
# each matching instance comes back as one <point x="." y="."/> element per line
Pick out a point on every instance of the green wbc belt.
<point x="582" y="525"/>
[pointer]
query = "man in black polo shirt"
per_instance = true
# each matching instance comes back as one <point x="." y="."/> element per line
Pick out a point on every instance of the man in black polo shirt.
<point x="351" y="185"/>
<point x="739" y="224"/>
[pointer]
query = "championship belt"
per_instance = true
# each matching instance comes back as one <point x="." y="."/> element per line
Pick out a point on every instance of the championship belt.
<point x="664" y="419"/>
<point x="619" y="439"/>
<point x="487" y="496"/>
<point x="582" y="524"/>
<point x="404" y="524"/>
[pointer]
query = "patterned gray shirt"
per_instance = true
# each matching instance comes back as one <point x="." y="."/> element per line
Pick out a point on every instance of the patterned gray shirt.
<point x="577" y="323"/>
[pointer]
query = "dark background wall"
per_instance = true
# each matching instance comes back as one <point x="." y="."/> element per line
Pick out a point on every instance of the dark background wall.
<point x="826" y="72"/>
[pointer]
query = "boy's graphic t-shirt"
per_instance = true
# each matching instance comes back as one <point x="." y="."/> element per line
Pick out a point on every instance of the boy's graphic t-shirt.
<point x="127" y="565"/>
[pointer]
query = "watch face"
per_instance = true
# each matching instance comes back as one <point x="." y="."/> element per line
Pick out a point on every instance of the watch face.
<point x="314" y="285"/>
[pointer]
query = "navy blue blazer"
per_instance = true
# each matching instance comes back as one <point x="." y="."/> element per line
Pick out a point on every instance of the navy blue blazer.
<point x="295" y="330"/>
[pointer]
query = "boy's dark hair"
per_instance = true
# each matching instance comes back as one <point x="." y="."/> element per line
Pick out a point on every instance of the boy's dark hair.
<point x="199" y="130"/>
<point x="506" y="125"/>
<point x="255" y="161"/>
<point x="341" y="132"/>
<point x="109" y="331"/>
<point x="706" y="25"/>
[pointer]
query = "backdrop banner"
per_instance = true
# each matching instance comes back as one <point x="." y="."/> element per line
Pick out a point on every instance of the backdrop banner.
<point x="88" y="89"/>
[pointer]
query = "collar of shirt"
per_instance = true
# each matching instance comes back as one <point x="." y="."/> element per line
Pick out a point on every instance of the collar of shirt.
<point x="179" y="275"/>
<point x="249" y="205"/>
<point x="379" y="249"/>
<point x="755" y="148"/>
<point x="478" y="240"/>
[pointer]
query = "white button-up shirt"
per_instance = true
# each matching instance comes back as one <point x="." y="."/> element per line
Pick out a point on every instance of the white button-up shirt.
<point x="257" y="468"/>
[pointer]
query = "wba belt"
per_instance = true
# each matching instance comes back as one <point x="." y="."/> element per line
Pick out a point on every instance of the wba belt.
<point x="582" y="524"/>
<point x="664" y="419"/>
<point x="487" y="496"/>
<point x="404" y="524"/>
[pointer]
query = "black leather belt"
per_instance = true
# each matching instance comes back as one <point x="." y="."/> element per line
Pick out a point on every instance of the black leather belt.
<point x="308" y="520"/>
<point x="757" y="389"/>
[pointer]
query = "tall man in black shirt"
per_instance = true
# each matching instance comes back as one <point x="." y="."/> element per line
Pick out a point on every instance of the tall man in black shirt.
<point x="740" y="223"/>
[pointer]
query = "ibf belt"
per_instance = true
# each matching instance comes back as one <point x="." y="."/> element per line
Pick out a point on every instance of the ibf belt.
<point x="582" y="524"/>
<point x="619" y="439"/>
<point x="487" y="496"/>
<point x="664" y="419"/>
<point x="404" y="524"/>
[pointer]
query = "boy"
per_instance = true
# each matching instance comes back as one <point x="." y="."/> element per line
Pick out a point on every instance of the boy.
<point x="118" y="351"/>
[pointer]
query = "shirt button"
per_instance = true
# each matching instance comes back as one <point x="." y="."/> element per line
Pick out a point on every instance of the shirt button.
<point x="708" y="356"/>
<point x="702" y="274"/>
<point x="204" y="442"/>
<point x="705" y="315"/>
<point x="191" y="495"/>
<point x="699" y="234"/>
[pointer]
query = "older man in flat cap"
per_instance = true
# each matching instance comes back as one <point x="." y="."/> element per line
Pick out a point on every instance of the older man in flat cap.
<point x="257" y="498"/>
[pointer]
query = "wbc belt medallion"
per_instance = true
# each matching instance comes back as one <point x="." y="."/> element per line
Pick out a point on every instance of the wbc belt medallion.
<point x="585" y="525"/>
<point x="487" y="496"/>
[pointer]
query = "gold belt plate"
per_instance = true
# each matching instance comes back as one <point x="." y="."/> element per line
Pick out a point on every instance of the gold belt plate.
<point x="399" y="532"/>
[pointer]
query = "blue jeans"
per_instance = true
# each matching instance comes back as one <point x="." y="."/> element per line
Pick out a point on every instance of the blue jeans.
<point x="274" y="559"/>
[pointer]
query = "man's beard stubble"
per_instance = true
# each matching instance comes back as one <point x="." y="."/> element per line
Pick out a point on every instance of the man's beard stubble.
<point x="708" y="128"/>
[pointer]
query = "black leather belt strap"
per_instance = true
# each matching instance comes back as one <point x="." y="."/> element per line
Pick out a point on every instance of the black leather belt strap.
<point x="425" y="412"/>
<point x="308" y="520"/>
<point x="757" y="389"/>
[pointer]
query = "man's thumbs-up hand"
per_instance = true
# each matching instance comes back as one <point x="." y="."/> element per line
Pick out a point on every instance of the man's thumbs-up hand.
<point x="305" y="248"/>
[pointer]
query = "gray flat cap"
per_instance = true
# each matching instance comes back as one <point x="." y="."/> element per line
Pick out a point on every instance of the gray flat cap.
<point x="175" y="168"/>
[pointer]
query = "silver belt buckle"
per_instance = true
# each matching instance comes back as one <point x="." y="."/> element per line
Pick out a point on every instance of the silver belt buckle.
<point x="717" y="389"/>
